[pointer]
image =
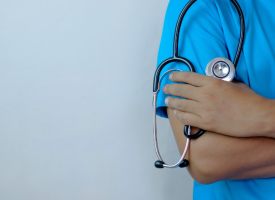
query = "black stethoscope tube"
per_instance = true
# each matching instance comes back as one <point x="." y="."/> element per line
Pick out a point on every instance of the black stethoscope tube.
<point x="177" y="58"/>
<point x="176" y="41"/>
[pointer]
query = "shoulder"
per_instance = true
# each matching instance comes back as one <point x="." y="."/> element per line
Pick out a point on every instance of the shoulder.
<point x="201" y="33"/>
<point x="201" y="18"/>
<point x="200" y="39"/>
<point x="175" y="5"/>
<point x="200" y="11"/>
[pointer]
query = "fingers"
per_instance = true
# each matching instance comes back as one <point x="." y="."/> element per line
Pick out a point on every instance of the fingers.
<point x="184" y="105"/>
<point x="191" y="78"/>
<point x="188" y="118"/>
<point x="182" y="90"/>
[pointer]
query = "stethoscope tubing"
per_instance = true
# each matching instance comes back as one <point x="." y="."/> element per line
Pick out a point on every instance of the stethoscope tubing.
<point x="242" y="31"/>
<point x="155" y="133"/>
<point x="177" y="58"/>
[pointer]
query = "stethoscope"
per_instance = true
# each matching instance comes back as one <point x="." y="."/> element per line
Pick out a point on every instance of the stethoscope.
<point x="219" y="67"/>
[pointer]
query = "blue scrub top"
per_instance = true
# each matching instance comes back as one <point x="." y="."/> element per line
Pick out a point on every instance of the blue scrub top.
<point x="211" y="29"/>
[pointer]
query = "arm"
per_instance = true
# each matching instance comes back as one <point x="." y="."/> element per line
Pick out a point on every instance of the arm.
<point x="227" y="108"/>
<point x="214" y="157"/>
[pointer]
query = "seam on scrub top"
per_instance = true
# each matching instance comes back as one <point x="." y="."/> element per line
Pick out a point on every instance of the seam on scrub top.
<point x="216" y="11"/>
<point x="226" y="46"/>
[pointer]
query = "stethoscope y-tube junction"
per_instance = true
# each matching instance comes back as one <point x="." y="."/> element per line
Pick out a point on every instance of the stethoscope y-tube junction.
<point x="221" y="68"/>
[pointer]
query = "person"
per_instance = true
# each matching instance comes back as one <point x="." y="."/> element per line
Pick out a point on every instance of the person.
<point x="235" y="158"/>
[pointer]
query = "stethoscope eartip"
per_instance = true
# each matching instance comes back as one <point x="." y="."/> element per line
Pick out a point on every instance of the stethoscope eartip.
<point x="159" y="164"/>
<point x="184" y="163"/>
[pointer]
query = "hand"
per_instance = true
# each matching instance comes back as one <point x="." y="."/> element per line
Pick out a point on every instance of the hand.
<point x="223" y="107"/>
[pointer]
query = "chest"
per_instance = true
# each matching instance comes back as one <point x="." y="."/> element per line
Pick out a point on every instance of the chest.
<point x="256" y="65"/>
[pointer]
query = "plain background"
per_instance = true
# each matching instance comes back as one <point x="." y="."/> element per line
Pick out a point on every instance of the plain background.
<point x="76" y="102"/>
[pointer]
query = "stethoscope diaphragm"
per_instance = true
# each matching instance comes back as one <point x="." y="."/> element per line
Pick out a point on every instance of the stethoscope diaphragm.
<point x="221" y="68"/>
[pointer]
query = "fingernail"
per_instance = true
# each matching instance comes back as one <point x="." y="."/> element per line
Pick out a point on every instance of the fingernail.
<point x="164" y="89"/>
<point x="166" y="101"/>
<point x="170" y="76"/>
<point x="175" y="112"/>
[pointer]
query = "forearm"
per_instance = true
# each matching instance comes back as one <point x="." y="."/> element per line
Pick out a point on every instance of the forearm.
<point x="215" y="157"/>
<point x="259" y="173"/>
<point x="229" y="158"/>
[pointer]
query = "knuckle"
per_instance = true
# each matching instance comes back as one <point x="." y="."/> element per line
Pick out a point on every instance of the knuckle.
<point x="186" y="88"/>
<point x="177" y="89"/>
<point x="184" y="75"/>
<point x="181" y="105"/>
<point x="178" y="104"/>
<point x="208" y="122"/>
<point x="167" y="88"/>
<point x="180" y="116"/>
<point x="180" y="89"/>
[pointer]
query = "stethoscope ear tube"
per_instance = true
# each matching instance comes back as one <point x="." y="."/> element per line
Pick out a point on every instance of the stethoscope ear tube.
<point x="184" y="163"/>
<point x="156" y="88"/>
<point x="219" y="67"/>
<point x="195" y="136"/>
<point x="160" y="163"/>
<point x="157" y="78"/>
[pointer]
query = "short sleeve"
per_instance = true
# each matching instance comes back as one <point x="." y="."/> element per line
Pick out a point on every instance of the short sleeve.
<point x="201" y="39"/>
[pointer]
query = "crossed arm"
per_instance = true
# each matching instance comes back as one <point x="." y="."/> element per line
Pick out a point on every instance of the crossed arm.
<point x="244" y="149"/>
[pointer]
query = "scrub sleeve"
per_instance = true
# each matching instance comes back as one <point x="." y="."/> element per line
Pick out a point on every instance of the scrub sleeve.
<point x="200" y="40"/>
<point x="211" y="29"/>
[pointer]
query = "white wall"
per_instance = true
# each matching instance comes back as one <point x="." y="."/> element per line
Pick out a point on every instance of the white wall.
<point x="75" y="102"/>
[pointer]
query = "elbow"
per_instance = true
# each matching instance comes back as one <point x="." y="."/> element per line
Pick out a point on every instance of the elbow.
<point x="204" y="167"/>
<point x="202" y="174"/>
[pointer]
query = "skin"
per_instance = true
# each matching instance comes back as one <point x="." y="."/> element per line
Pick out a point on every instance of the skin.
<point x="227" y="108"/>
<point x="230" y="153"/>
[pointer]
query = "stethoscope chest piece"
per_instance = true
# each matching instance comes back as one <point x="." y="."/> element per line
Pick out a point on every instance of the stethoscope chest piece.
<point x="221" y="68"/>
